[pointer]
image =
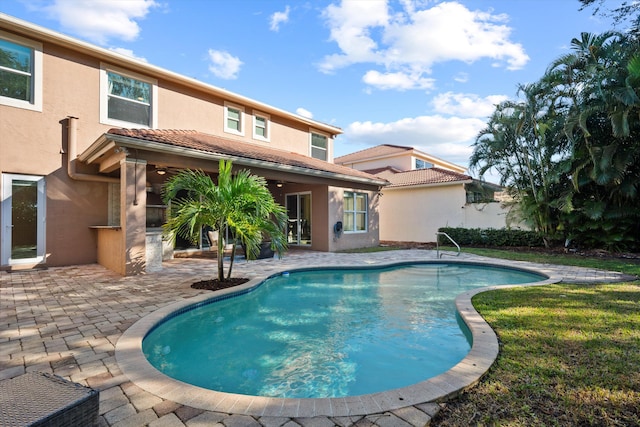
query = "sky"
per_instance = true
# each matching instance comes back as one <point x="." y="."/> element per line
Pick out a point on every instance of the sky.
<point x="419" y="73"/>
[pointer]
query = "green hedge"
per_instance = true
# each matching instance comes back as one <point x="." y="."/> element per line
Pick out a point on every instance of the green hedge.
<point x="490" y="237"/>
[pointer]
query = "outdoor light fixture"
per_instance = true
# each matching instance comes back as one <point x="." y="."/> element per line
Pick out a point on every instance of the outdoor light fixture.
<point x="161" y="171"/>
<point x="279" y="184"/>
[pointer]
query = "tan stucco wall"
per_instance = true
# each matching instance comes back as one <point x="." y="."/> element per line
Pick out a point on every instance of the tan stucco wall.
<point x="184" y="108"/>
<point x="416" y="214"/>
<point x="34" y="143"/>
<point x="486" y="215"/>
<point x="352" y="240"/>
<point x="402" y="163"/>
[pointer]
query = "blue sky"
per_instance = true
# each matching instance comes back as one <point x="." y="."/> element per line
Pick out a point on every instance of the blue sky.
<point x="420" y="73"/>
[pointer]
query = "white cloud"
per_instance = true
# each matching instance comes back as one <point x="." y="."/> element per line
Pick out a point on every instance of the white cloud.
<point x="350" y="25"/>
<point x="223" y="64"/>
<point x="415" y="39"/>
<point x="99" y="20"/>
<point x="127" y="52"/>
<point x="461" y="77"/>
<point x="448" y="138"/>
<point x="398" y="81"/>
<point x="304" y="113"/>
<point x="466" y="105"/>
<point x="278" y="18"/>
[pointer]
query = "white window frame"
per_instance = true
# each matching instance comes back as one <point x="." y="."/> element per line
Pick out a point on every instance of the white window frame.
<point x="355" y="211"/>
<point x="428" y="165"/>
<point x="227" y="129"/>
<point x="311" y="146"/>
<point x="267" y="126"/>
<point x="35" y="103"/>
<point x="104" y="97"/>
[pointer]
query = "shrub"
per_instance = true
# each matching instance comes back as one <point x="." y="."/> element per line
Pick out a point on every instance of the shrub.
<point x="490" y="237"/>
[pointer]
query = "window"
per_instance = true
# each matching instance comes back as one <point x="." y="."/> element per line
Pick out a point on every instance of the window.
<point x="20" y="72"/>
<point x="261" y="127"/>
<point x="355" y="211"/>
<point x="319" y="144"/>
<point x="421" y="164"/>
<point x="233" y="119"/>
<point x="127" y="98"/>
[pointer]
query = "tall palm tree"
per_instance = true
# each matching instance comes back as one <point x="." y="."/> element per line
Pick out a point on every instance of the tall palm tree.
<point x="524" y="143"/>
<point x="240" y="203"/>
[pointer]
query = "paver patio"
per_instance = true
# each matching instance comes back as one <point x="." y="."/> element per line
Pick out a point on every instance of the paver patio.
<point x="67" y="321"/>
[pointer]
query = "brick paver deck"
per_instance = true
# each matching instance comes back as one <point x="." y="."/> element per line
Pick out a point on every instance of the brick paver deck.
<point x="67" y="321"/>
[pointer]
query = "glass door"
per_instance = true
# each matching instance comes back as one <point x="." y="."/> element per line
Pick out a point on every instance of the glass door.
<point x="23" y="219"/>
<point x="299" y="211"/>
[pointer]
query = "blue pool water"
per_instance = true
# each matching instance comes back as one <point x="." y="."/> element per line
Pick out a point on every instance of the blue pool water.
<point x="326" y="333"/>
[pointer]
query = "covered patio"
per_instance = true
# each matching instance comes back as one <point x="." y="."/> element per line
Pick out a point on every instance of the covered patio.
<point x="137" y="162"/>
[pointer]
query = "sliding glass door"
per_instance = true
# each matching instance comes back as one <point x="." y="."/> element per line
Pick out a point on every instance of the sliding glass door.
<point x="299" y="211"/>
<point x="23" y="219"/>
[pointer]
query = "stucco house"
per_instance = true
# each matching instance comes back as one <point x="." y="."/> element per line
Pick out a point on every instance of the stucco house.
<point x="425" y="193"/>
<point x="88" y="136"/>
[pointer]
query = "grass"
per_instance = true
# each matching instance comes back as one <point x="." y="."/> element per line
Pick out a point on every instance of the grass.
<point x="629" y="266"/>
<point x="569" y="354"/>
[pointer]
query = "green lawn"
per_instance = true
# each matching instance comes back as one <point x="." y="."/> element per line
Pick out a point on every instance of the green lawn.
<point x="569" y="354"/>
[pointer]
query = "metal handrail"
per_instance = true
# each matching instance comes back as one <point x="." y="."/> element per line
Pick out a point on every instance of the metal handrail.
<point x="438" y="254"/>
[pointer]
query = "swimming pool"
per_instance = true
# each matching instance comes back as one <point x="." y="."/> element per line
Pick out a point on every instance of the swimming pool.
<point x="326" y="333"/>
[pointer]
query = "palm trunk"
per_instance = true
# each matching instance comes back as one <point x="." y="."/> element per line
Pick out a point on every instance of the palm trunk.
<point x="233" y="257"/>
<point x="220" y="257"/>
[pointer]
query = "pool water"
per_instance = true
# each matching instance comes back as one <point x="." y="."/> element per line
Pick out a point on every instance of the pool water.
<point x="326" y="333"/>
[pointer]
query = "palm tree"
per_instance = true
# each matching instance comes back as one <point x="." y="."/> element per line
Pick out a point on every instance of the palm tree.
<point x="524" y="143"/>
<point x="240" y="203"/>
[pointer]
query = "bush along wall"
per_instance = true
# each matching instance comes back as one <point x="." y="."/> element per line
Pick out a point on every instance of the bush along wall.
<point x="490" y="237"/>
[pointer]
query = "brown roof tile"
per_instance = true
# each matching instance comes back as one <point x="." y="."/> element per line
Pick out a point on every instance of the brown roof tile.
<point x="378" y="150"/>
<point x="195" y="140"/>
<point x="422" y="177"/>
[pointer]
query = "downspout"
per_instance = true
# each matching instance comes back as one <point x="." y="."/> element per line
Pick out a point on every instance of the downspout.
<point x="72" y="155"/>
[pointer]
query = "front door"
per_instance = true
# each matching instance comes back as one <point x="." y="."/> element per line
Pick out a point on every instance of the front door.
<point x="299" y="211"/>
<point x="23" y="219"/>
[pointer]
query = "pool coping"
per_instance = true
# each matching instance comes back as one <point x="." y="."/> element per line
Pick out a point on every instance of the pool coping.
<point x="465" y="374"/>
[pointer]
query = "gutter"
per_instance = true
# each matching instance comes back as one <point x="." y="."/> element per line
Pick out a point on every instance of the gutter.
<point x="72" y="156"/>
<point x="437" y="184"/>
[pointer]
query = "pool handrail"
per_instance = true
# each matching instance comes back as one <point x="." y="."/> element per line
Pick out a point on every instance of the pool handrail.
<point x="442" y="233"/>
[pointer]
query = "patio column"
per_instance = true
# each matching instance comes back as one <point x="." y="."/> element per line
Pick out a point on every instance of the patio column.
<point x="133" y="213"/>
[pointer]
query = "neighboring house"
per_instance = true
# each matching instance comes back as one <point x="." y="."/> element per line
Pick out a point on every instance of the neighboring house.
<point x="89" y="136"/>
<point x="425" y="193"/>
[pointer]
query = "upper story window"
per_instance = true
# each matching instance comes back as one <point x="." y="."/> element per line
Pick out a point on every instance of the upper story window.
<point x="20" y="72"/>
<point x="355" y="211"/>
<point x="319" y="146"/>
<point x="127" y="98"/>
<point x="421" y="164"/>
<point x="234" y="119"/>
<point x="261" y="127"/>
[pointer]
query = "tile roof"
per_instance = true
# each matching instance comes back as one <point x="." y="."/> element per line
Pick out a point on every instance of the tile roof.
<point x="377" y="151"/>
<point x="421" y="177"/>
<point x="198" y="141"/>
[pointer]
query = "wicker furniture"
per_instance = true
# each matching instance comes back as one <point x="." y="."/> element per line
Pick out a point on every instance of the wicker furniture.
<point x="41" y="399"/>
